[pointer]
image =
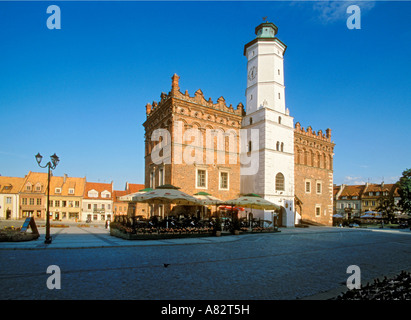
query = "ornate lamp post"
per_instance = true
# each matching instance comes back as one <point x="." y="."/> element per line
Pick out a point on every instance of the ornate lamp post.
<point x="51" y="166"/>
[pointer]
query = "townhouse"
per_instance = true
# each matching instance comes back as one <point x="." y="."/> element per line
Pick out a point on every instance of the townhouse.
<point x="9" y="197"/>
<point x="97" y="202"/>
<point x="66" y="194"/>
<point x="358" y="199"/>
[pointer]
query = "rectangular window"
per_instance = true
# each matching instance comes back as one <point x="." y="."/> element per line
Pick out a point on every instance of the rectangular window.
<point x="342" y="205"/>
<point x="57" y="203"/>
<point x="24" y="201"/>
<point x="366" y="203"/>
<point x="317" y="211"/>
<point x="8" y="200"/>
<point x="89" y="206"/>
<point x="152" y="179"/>
<point x="201" y="178"/>
<point x="373" y="203"/>
<point x="318" y="187"/>
<point x="39" y="201"/>
<point x="57" y="190"/>
<point x="71" y="191"/>
<point x="95" y="207"/>
<point x="70" y="204"/>
<point x="31" y="201"/>
<point x="224" y="180"/>
<point x="64" y="203"/>
<point x="160" y="176"/>
<point x="307" y="186"/>
<point x="77" y="204"/>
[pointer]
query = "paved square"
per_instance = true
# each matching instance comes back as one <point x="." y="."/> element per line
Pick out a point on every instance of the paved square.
<point x="296" y="263"/>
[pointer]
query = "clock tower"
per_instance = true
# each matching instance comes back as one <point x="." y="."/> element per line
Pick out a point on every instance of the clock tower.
<point x="266" y="114"/>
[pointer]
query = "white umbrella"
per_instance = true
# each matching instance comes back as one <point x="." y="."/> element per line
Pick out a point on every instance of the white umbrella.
<point x="131" y="196"/>
<point x="253" y="201"/>
<point x="207" y="199"/>
<point x="337" y="215"/>
<point x="166" y="194"/>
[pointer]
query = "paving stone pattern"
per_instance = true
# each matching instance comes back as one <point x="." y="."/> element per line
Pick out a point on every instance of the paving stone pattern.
<point x="294" y="264"/>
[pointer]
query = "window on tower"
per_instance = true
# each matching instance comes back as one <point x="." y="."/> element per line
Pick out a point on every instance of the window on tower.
<point x="279" y="182"/>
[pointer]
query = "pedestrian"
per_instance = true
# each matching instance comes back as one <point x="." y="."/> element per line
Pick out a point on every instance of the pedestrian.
<point x="106" y="224"/>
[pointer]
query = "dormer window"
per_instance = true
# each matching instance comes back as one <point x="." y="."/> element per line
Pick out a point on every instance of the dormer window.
<point x="92" y="194"/>
<point x="71" y="190"/>
<point x="57" y="190"/>
<point x="105" y="194"/>
<point x="28" y="187"/>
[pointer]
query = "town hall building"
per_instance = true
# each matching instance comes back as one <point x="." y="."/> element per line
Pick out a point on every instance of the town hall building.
<point x="205" y="146"/>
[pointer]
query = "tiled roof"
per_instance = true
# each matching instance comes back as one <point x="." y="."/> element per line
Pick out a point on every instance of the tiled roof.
<point x="133" y="187"/>
<point x="33" y="179"/>
<point x="118" y="193"/>
<point x="99" y="187"/>
<point x="352" y="191"/>
<point x="11" y="184"/>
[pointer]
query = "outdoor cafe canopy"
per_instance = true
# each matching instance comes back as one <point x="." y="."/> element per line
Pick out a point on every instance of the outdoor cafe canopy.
<point x="165" y="194"/>
<point x="253" y="201"/>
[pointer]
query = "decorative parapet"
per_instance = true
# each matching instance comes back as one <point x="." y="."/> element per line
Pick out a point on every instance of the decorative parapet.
<point x="198" y="98"/>
<point x="310" y="133"/>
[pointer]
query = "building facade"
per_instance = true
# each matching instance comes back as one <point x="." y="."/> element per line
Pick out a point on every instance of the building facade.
<point x="32" y="196"/>
<point x="9" y="197"/>
<point x="313" y="172"/>
<point x="192" y="143"/>
<point x="66" y="195"/>
<point x="274" y="159"/>
<point x="97" y="203"/>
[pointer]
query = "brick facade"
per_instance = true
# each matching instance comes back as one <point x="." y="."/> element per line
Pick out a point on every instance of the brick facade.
<point x="313" y="176"/>
<point x="178" y="113"/>
<point x="313" y="154"/>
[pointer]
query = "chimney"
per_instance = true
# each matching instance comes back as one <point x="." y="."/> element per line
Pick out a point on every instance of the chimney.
<point x="64" y="178"/>
<point x="174" y="84"/>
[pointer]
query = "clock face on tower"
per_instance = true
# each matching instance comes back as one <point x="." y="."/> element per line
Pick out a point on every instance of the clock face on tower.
<point x="252" y="73"/>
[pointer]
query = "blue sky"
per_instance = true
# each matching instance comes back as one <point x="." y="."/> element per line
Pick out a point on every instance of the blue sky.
<point x="81" y="91"/>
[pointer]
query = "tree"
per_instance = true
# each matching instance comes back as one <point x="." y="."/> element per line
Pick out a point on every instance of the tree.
<point x="387" y="206"/>
<point x="404" y="190"/>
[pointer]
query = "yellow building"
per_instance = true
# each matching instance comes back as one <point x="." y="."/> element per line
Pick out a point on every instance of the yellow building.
<point x="9" y="197"/>
<point x="66" y="194"/>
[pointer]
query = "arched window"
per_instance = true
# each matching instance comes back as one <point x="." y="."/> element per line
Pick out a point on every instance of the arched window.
<point x="279" y="182"/>
<point x="282" y="146"/>
<point x="251" y="121"/>
<point x="279" y="120"/>
<point x="278" y="145"/>
<point x="249" y="146"/>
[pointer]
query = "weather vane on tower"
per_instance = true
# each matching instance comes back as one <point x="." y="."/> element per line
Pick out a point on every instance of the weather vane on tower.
<point x="264" y="19"/>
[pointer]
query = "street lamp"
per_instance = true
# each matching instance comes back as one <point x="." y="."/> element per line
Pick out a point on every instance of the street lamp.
<point x="51" y="166"/>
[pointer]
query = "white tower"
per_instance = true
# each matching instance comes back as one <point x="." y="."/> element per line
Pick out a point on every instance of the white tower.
<point x="266" y="112"/>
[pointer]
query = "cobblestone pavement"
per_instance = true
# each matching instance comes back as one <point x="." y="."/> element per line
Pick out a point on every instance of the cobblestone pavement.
<point x="294" y="264"/>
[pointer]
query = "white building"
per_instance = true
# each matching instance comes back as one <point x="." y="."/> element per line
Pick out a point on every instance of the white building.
<point x="98" y="202"/>
<point x="9" y="197"/>
<point x="266" y="112"/>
